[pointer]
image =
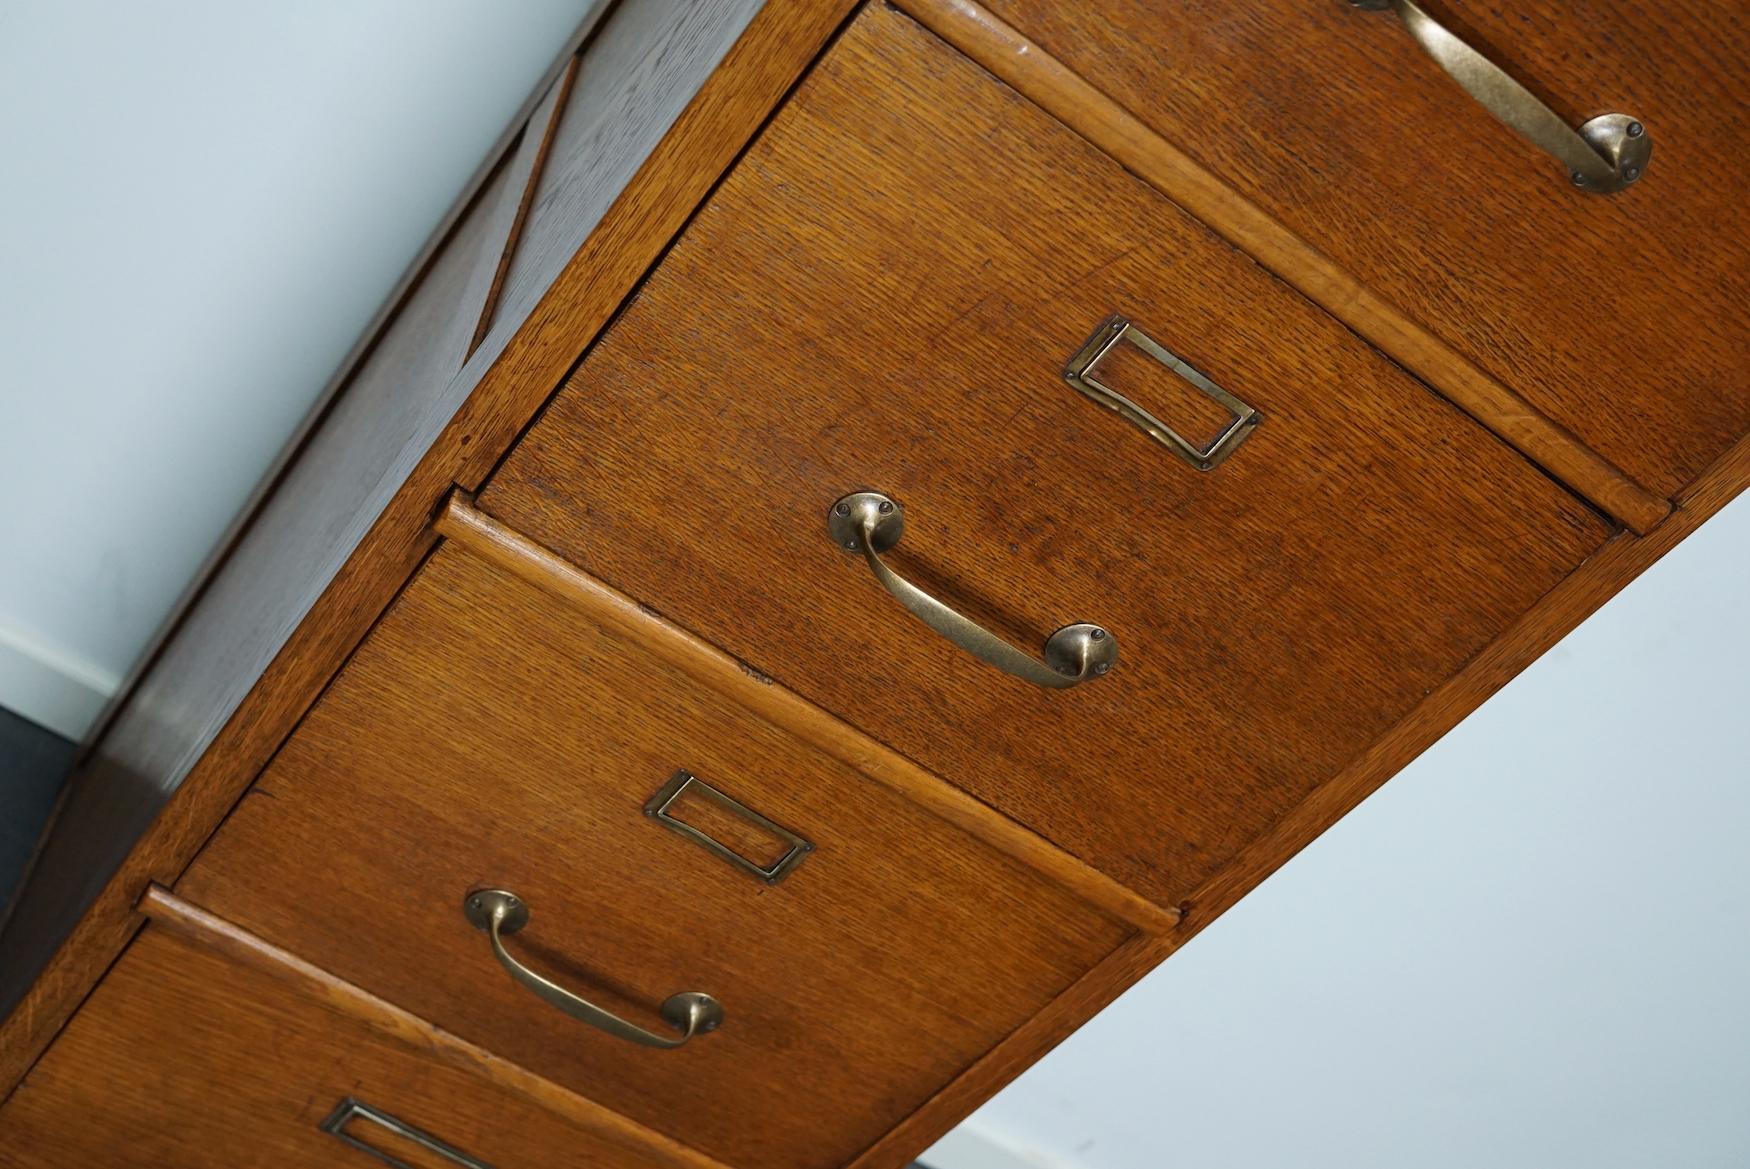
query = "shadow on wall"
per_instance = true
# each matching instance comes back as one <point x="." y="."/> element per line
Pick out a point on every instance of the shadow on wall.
<point x="33" y="761"/>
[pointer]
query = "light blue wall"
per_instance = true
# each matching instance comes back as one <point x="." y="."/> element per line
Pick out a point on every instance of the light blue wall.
<point x="1530" y="950"/>
<point x="202" y="204"/>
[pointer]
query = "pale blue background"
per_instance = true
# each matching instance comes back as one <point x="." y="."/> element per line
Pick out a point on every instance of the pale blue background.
<point x="1529" y="950"/>
<point x="1532" y="949"/>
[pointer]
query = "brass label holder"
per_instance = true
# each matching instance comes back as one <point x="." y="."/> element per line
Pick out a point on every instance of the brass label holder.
<point x="350" y="1108"/>
<point x="683" y="782"/>
<point x="1117" y="329"/>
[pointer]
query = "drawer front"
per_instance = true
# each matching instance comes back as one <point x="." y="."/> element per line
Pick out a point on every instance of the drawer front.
<point x="486" y="736"/>
<point x="882" y="297"/>
<point x="183" y="1060"/>
<point x="1621" y="316"/>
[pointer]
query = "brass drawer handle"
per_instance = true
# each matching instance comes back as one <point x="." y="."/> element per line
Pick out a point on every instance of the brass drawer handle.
<point x="499" y="912"/>
<point x="871" y="523"/>
<point x="1603" y="156"/>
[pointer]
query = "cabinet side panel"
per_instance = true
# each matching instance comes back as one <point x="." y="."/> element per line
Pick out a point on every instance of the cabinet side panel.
<point x="177" y="754"/>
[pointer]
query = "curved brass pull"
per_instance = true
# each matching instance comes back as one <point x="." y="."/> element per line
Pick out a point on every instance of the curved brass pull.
<point x="1603" y="156"/>
<point x="871" y="523"/>
<point x="499" y="912"/>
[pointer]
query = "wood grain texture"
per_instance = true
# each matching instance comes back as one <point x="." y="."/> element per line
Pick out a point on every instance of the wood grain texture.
<point x="1093" y="993"/>
<point x="1081" y="105"/>
<point x="1622" y="318"/>
<point x="1569" y="603"/>
<point x="398" y="538"/>
<point x="203" y="734"/>
<point x="881" y="296"/>
<point x="487" y="734"/>
<point x="204" y="1057"/>
<point x="483" y="536"/>
<point x="1555" y="615"/>
<point x="169" y="913"/>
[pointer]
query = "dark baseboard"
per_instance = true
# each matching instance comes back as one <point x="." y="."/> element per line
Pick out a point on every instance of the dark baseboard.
<point x="33" y="761"/>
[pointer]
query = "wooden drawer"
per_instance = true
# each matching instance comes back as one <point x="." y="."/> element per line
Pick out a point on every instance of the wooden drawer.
<point x="487" y="735"/>
<point x="184" y="1060"/>
<point x="1621" y="316"/>
<point x="882" y="296"/>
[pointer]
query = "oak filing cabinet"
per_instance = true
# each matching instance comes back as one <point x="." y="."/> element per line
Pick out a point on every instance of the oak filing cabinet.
<point x="868" y="528"/>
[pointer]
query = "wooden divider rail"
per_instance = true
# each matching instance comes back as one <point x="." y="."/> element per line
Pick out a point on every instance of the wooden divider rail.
<point x="575" y="525"/>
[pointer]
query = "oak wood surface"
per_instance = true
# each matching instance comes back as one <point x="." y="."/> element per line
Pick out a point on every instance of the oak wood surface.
<point x="481" y="535"/>
<point x="881" y="296"/>
<point x="1024" y="1047"/>
<point x="1622" y="318"/>
<point x="191" y="816"/>
<point x="1569" y="603"/>
<point x="196" y="737"/>
<point x="184" y="1059"/>
<point x="487" y="734"/>
<point x="1554" y="615"/>
<point x="169" y="913"/>
<point x="1081" y="105"/>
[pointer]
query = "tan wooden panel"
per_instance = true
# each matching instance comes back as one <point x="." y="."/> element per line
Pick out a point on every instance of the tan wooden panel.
<point x="182" y="1060"/>
<point x="1622" y="317"/>
<point x="316" y="566"/>
<point x="882" y="296"/>
<point x="1067" y="96"/>
<point x="486" y="734"/>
